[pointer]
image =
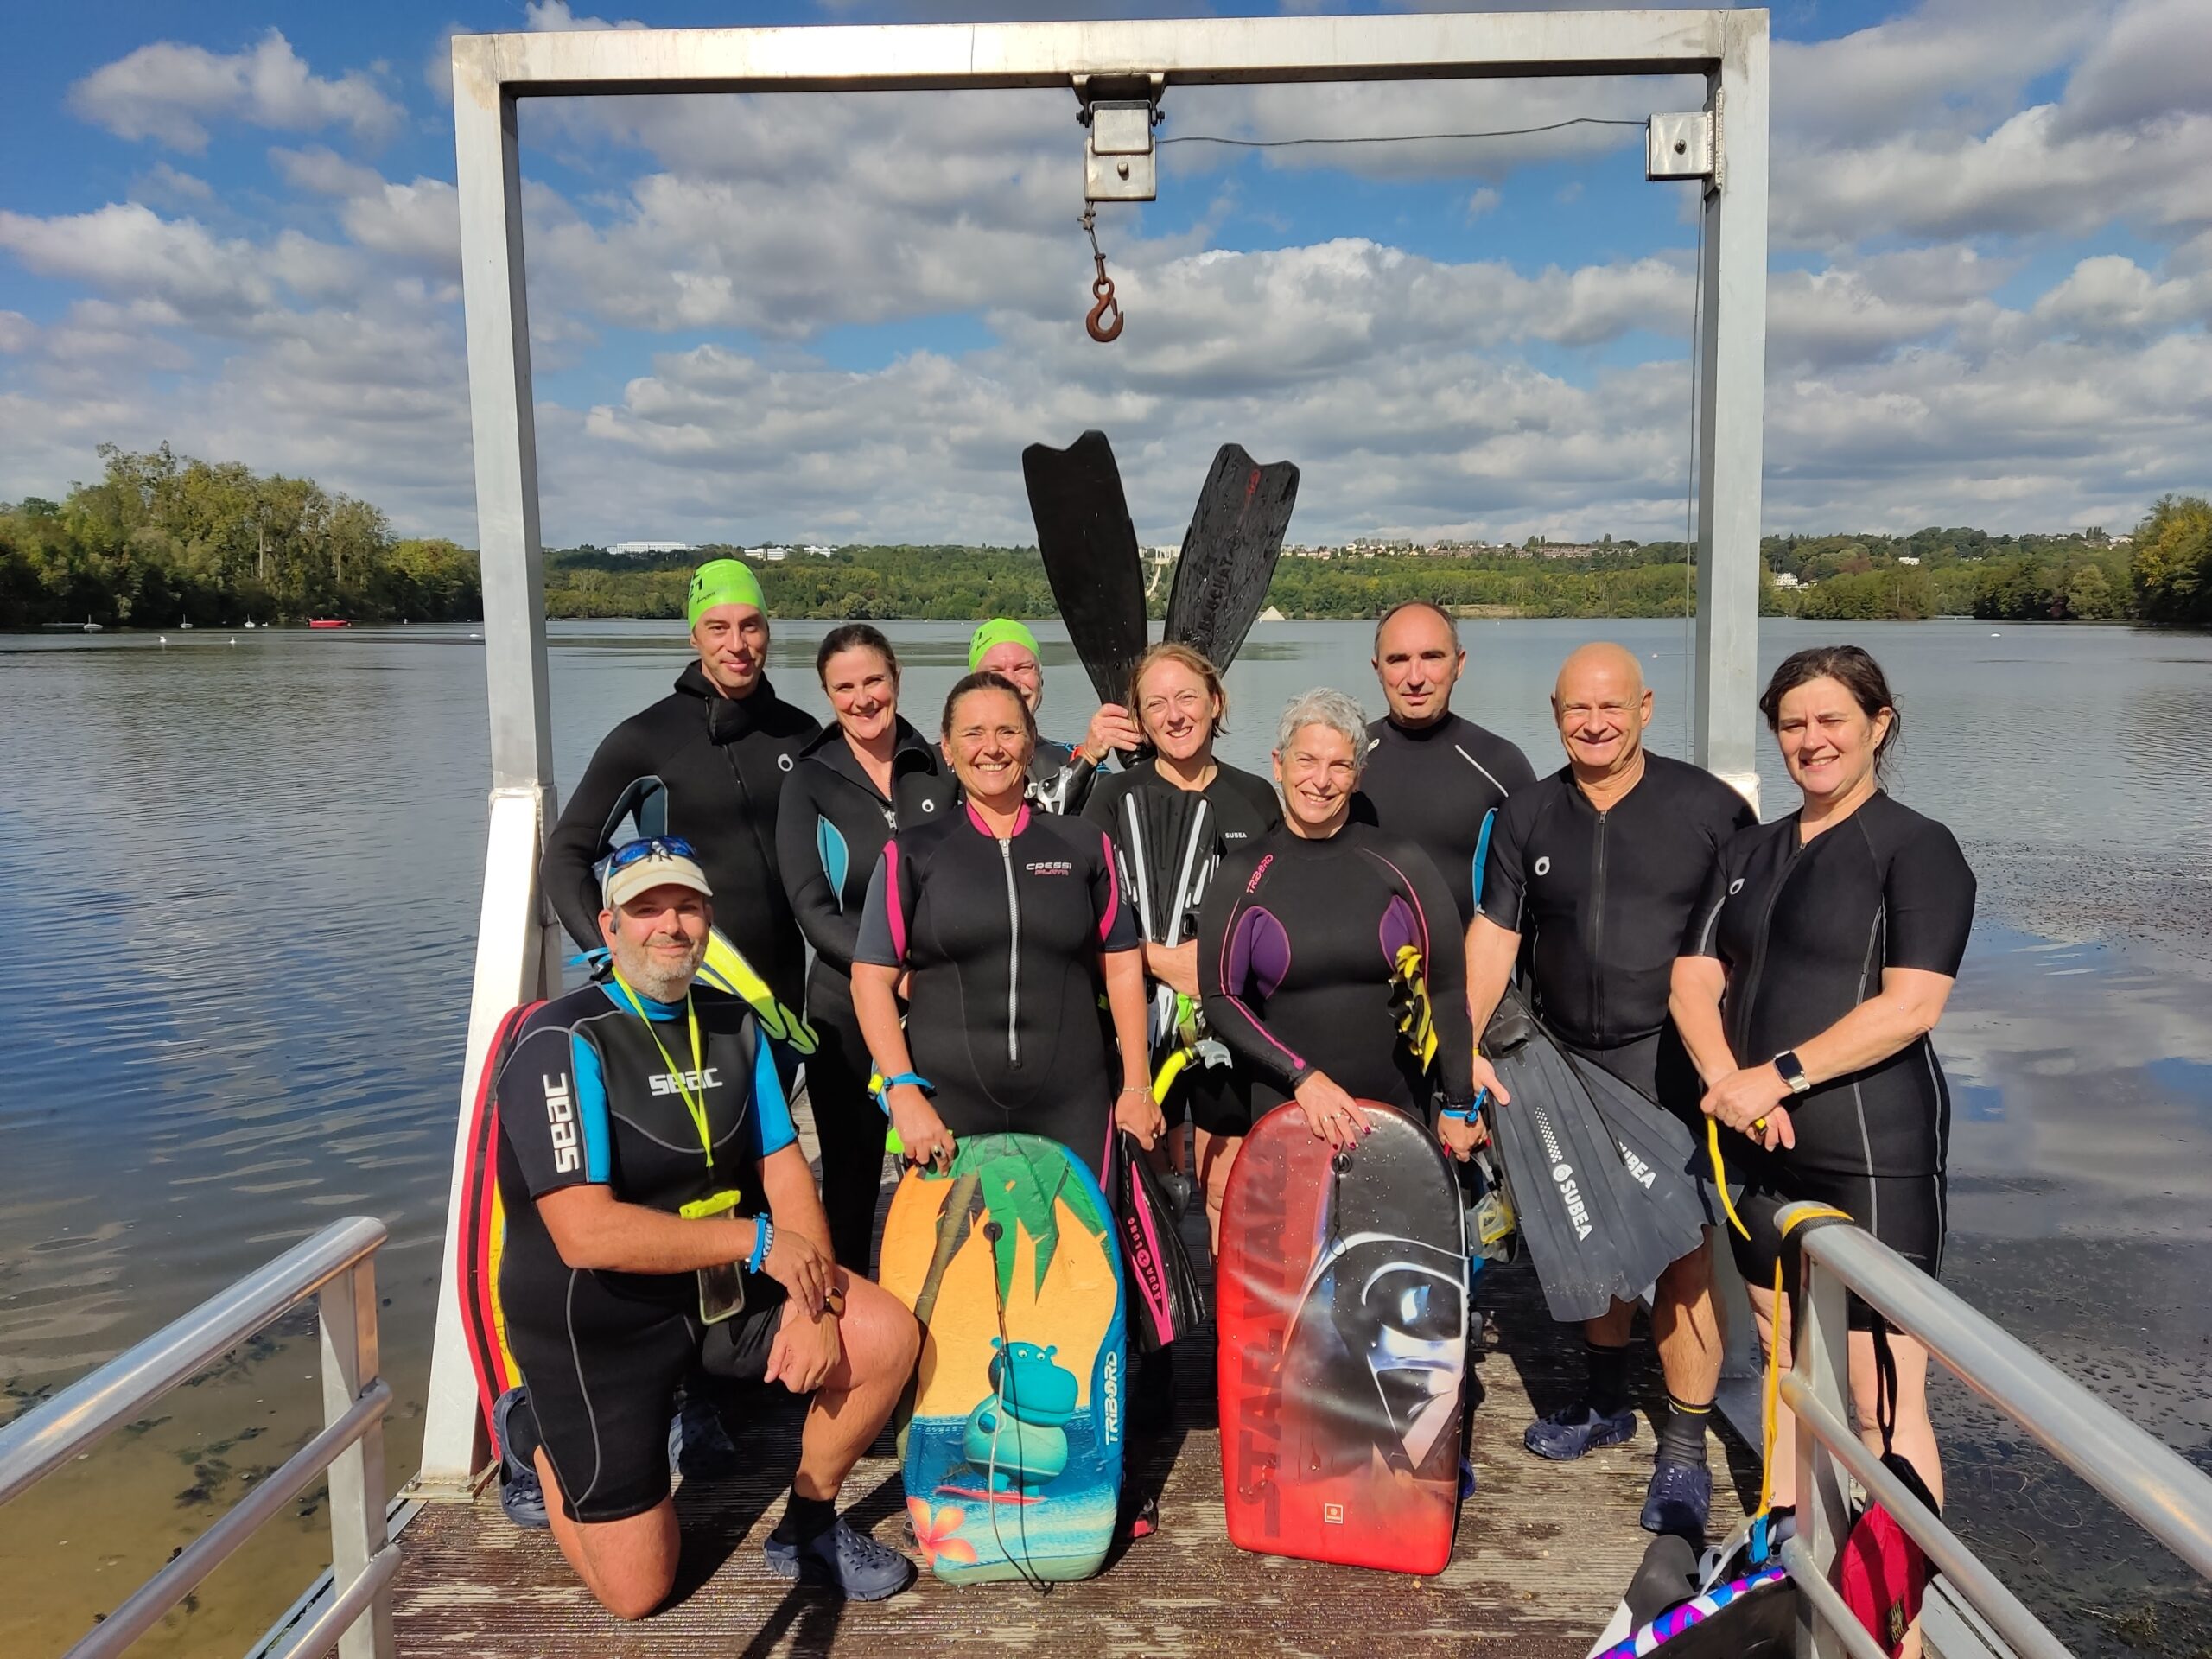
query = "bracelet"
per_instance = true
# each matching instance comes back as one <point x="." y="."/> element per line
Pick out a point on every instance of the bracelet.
<point x="764" y="1240"/>
<point x="1459" y="1114"/>
<point x="1136" y="1088"/>
<point x="880" y="1087"/>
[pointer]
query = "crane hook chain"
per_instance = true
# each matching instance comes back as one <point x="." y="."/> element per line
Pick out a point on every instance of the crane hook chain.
<point x="1101" y="288"/>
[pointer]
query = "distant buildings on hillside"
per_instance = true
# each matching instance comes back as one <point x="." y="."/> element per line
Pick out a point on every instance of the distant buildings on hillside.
<point x="638" y="550"/>
<point x="1366" y="547"/>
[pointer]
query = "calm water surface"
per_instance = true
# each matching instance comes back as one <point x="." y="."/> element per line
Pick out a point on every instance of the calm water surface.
<point x="243" y="879"/>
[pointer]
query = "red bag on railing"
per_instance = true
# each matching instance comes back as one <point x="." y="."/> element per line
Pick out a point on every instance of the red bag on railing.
<point x="1882" y="1570"/>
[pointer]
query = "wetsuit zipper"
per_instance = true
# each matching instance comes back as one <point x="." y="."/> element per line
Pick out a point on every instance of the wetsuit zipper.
<point x="1598" y="937"/>
<point x="1013" y="959"/>
<point x="1751" y="988"/>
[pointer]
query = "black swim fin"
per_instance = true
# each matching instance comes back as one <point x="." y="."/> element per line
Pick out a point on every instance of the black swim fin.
<point x="1090" y="549"/>
<point x="1229" y="553"/>
<point x="1590" y="1233"/>
<point x="1658" y="1151"/>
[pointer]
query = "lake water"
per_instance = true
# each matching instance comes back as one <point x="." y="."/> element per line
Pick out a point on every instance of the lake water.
<point x="244" y="884"/>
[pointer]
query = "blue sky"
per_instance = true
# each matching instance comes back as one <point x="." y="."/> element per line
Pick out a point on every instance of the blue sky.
<point x="233" y="228"/>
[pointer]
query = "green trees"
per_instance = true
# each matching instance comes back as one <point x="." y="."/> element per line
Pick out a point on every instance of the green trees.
<point x="160" y="539"/>
<point x="2172" y="573"/>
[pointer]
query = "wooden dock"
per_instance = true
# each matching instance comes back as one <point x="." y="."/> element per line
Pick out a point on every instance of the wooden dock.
<point x="1543" y="1550"/>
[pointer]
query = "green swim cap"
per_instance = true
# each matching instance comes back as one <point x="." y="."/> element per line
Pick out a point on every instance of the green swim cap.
<point x="1001" y="631"/>
<point x="722" y="582"/>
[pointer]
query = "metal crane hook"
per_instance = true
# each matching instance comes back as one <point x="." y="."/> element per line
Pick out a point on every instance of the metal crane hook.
<point x="1101" y="289"/>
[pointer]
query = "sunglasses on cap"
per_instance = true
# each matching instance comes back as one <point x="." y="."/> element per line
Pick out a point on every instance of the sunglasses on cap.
<point x="644" y="846"/>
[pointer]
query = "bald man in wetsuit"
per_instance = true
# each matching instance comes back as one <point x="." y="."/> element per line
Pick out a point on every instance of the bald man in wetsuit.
<point x="1595" y="870"/>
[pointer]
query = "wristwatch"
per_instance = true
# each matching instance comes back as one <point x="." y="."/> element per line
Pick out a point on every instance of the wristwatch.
<point x="1792" y="1071"/>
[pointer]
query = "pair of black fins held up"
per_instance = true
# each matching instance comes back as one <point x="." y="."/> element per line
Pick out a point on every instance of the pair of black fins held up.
<point x="1090" y="549"/>
<point x="1604" y="1181"/>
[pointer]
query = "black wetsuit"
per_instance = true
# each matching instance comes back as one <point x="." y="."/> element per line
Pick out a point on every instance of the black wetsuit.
<point x="587" y="1098"/>
<point x="1600" y="900"/>
<point x="1003" y="940"/>
<point x="1240" y="809"/>
<point x="1297" y="940"/>
<point x="1432" y="785"/>
<point x="1060" y="778"/>
<point x="1805" y="930"/>
<point x="831" y="830"/>
<point x="723" y="762"/>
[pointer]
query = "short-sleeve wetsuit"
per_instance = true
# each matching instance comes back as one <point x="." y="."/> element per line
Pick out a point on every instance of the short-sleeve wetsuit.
<point x="588" y="1097"/>
<point x="1240" y="809"/>
<point x="1003" y="940"/>
<point x="1600" y="900"/>
<point x="1297" y="940"/>
<point x="832" y="827"/>
<point x="1432" y="785"/>
<point x="1805" y="930"/>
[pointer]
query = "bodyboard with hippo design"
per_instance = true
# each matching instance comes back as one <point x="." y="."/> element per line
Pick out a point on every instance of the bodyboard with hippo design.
<point x="1013" y="1435"/>
<point x="1341" y="1302"/>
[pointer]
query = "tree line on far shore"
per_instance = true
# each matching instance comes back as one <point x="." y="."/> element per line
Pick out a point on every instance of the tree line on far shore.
<point x="160" y="539"/>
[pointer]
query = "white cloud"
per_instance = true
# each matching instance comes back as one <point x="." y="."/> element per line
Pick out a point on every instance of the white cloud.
<point x="16" y="331"/>
<point x="171" y="92"/>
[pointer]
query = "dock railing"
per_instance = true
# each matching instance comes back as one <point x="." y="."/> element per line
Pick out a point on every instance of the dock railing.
<point x="2156" y="1486"/>
<point x="338" y="1266"/>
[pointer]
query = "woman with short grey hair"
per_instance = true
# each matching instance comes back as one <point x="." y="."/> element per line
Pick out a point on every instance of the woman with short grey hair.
<point x="1308" y="938"/>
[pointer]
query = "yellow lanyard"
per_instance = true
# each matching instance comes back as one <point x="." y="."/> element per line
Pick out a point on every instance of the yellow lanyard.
<point x="694" y="1104"/>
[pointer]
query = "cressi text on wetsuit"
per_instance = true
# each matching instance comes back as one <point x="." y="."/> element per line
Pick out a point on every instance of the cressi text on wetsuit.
<point x="832" y="828"/>
<point x="723" y="761"/>
<point x="587" y="1098"/>
<point x="1600" y="900"/>
<point x="1805" y="930"/>
<point x="1240" y="809"/>
<point x="1433" y="786"/>
<point x="1002" y="941"/>
<point x="1297" y="940"/>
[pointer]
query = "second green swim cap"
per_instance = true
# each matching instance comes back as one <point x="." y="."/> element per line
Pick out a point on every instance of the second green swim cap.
<point x="1001" y="631"/>
<point x="722" y="582"/>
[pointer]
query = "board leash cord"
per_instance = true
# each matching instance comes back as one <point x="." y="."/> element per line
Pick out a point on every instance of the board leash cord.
<point x="992" y="1233"/>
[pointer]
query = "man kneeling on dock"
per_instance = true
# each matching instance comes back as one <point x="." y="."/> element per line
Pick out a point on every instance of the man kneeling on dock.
<point x="660" y="1216"/>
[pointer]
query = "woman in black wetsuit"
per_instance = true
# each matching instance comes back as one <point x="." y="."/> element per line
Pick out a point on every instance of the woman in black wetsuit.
<point x="869" y="774"/>
<point x="1173" y="816"/>
<point x="1816" y="967"/>
<point x="1007" y="924"/>
<point x="1300" y="935"/>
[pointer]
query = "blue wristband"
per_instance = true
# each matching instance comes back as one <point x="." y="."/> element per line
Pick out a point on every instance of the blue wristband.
<point x="885" y="1085"/>
<point x="763" y="1239"/>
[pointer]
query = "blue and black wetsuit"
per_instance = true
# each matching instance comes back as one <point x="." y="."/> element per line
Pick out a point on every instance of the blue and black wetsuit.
<point x="832" y="827"/>
<point x="1004" y="941"/>
<point x="1600" y="900"/>
<point x="1432" y="785"/>
<point x="1805" y="930"/>
<point x="1297" y="940"/>
<point x="721" y="761"/>
<point x="587" y="1098"/>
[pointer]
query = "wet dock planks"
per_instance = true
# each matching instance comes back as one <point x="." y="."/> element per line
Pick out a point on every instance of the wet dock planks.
<point x="1543" y="1550"/>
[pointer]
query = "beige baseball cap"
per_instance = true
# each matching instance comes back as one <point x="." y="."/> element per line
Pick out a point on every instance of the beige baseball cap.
<point x="641" y="866"/>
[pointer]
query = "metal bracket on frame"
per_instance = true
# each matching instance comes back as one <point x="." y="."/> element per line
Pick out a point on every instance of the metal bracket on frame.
<point x="1119" y="163"/>
<point x="1685" y="146"/>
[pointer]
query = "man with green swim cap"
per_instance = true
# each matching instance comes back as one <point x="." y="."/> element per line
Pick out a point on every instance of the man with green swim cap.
<point x="1059" y="775"/>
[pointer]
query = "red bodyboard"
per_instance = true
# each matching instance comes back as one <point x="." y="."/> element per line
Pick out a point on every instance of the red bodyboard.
<point x="483" y="1227"/>
<point x="1341" y="1302"/>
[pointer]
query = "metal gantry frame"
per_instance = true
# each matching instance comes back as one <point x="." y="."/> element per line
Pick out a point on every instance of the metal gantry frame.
<point x="517" y="951"/>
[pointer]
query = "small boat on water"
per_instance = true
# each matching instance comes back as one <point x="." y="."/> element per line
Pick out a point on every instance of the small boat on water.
<point x="329" y="622"/>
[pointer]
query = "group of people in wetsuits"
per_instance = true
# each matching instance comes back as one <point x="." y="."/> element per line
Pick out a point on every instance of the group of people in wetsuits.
<point x="995" y="946"/>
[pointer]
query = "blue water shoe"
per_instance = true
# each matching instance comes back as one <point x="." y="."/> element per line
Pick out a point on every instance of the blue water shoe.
<point x="1566" y="1435"/>
<point x="849" y="1562"/>
<point x="522" y="1495"/>
<point x="1680" y="1499"/>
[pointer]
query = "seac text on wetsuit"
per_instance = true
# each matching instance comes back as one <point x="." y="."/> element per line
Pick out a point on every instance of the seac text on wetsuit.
<point x="587" y="1096"/>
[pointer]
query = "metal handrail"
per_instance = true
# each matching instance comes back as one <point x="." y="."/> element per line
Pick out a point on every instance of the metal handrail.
<point x="339" y="1263"/>
<point x="2170" y="1496"/>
